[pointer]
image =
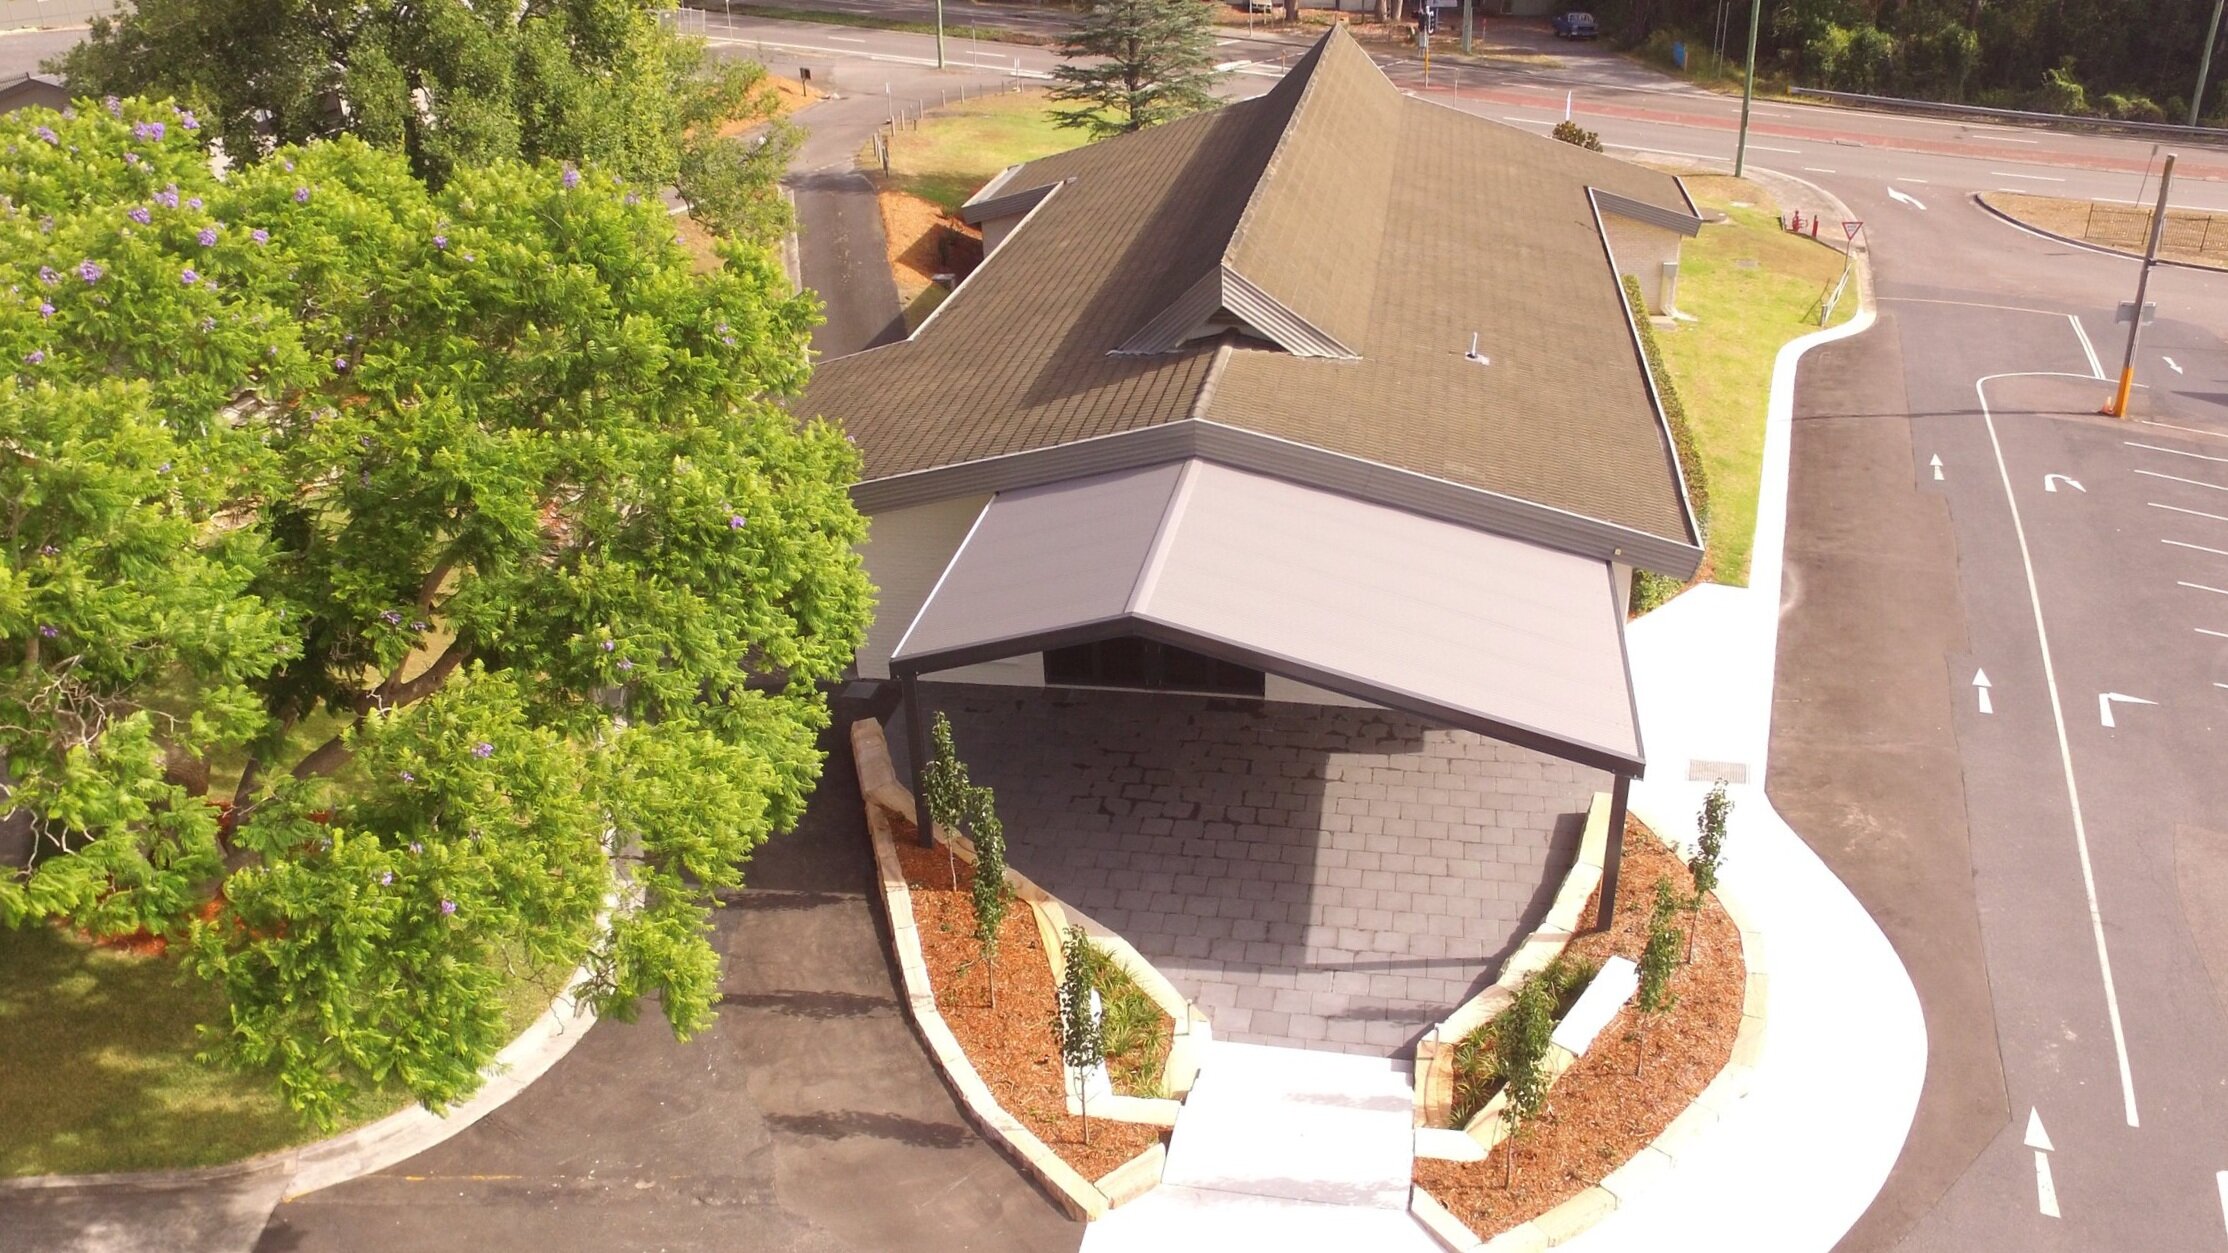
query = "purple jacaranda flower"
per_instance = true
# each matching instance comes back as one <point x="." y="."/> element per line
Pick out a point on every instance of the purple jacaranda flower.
<point x="114" y="106"/>
<point x="193" y="202"/>
<point x="46" y="226"/>
<point x="138" y="213"/>
<point x="624" y="664"/>
<point x="259" y="235"/>
<point x="631" y="198"/>
<point x="608" y="646"/>
<point x="131" y="158"/>
<point x="387" y="878"/>
<point x="168" y="197"/>
<point x="288" y="164"/>
<point x="734" y="522"/>
<point x="164" y="468"/>
<point x="468" y="256"/>
<point x="89" y="270"/>
<point x="440" y="241"/>
<point x="189" y="121"/>
<point x="188" y="277"/>
<point x="48" y="276"/>
<point x="34" y="357"/>
<point x="417" y="626"/>
<point x="208" y="237"/>
<point x="340" y="363"/>
<point x="49" y="550"/>
<point x="447" y="908"/>
<point x="46" y="310"/>
<point x="416" y="847"/>
<point x="391" y="618"/>
<point x="147" y="130"/>
<point x="47" y="135"/>
<point x="571" y="178"/>
<point x="301" y="195"/>
<point x="408" y="777"/>
<point x="46" y="632"/>
<point x="208" y="324"/>
<point x="483" y="750"/>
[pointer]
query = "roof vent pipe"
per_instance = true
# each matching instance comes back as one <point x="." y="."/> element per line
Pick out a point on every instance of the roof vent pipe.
<point x="1474" y="354"/>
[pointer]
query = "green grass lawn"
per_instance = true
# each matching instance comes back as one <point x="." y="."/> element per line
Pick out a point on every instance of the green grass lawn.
<point x="100" y="1072"/>
<point x="1751" y="287"/>
<point x="957" y="150"/>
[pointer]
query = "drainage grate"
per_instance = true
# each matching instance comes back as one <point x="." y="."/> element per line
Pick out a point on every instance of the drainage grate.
<point x="1700" y="771"/>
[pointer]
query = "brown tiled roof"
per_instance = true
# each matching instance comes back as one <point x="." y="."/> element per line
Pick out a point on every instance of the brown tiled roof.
<point x="1390" y="225"/>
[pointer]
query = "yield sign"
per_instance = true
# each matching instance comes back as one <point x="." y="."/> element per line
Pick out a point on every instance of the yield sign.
<point x="1851" y="228"/>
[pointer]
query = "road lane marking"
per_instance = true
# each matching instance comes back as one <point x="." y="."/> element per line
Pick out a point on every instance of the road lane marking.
<point x="1665" y="152"/>
<point x="2104" y="702"/>
<point x="1818" y="169"/>
<point x="2032" y="178"/>
<point x="2217" y="552"/>
<point x="2088" y="349"/>
<point x="2179" y="479"/>
<point x="2003" y="139"/>
<point x="2046" y="1189"/>
<point x="2197" y="513"/>
<point x="2170" y="364"/>
<point x="2203" y="631"/>
<point x="2176" y="452"/>
<point x="2050" y="483"/>
<point x="1975" y="304"/>
<point x="2221" y="1181"/>
<point x="2217" y="591"/>
<point x="1936" y="464"/>
<point x="1980" y="687"/>
<point x="2168" y="426"/>
<point x="1905" y="198"/>
<point x="2065" y="760"/>
<point x="844" y="39"/>
<point x="1527" y="121"/>
<point x="1792" y="152"/>
<point x="1910" y="180"/>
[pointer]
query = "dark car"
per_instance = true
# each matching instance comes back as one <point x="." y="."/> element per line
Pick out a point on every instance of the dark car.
<point x="1576" y="26"/>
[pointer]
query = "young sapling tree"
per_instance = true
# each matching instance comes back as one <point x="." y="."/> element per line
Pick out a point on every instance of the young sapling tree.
<point x="1520" y="1050"/>
<point x="990" y="880"/>
<point x="1709" y="854"/>
<point x="1657" y="961"/>
<point x="1082" y="1027"/>
<point x="944" y="781"/>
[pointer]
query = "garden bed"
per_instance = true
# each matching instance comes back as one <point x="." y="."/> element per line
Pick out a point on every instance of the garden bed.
<point x="1015" y="1047"/>
<point x="1599" y="1114"/>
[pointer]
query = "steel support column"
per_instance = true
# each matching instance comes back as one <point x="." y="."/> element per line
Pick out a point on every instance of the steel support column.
<point x="1613" y="853"/>
<point x="916" y="743"/>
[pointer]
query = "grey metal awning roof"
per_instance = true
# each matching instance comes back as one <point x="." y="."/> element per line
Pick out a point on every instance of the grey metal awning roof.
<point x="1474" y="630"/>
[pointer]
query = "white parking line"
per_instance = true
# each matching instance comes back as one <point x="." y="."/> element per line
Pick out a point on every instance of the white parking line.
<point x="2217" y="591"/>
<point x="2033" y="178"/>
<point x="2065" y="760"/>
<point x="2003" y="139"/>
<point x="2195" y="513"/>
<point x="1818" y="169"/>
<point x="2217" y="552"/>
<point x="844" y="39"/>
<point x="1761" y="148"/>
<point x="2175" y="478"/>
<point x="1527" y="121"/>
<point x="2203" y="631"/>
<point x="2080" y="332"/>
<point x="2189" y="430"/>
<point x="1906" y="180"/>
<point x="2176" y="452"/>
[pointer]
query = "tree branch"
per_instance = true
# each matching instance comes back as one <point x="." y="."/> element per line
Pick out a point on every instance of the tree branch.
<point x="324" y="759"/>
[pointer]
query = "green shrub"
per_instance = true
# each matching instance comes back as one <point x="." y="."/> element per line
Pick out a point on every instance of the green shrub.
<point x="1136" y="1029"/>
<point x="2061" y="92"/>
<point x="1577" y="136"/>
<point x="1477" y="1056"/>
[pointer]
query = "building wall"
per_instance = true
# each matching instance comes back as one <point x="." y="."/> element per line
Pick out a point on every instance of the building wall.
<point x="995" y="230"/>
<point x="1641" y="250"/>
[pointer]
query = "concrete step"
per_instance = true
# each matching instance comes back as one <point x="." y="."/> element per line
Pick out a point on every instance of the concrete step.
<point x="1330" y="1129"/>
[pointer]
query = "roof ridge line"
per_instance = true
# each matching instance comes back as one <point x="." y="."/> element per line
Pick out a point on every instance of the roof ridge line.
<point x="1206" y="393"/>
<point x="1283" y="140"/>
<point x="1156" y="552"/>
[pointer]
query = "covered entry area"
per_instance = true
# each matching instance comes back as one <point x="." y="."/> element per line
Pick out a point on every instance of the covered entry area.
<point x="1450" y="628"/>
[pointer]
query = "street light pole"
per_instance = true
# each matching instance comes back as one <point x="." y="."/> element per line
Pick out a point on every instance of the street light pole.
<point x="1748" y="86"/>
<point x="1465" y="27"/>
<point x="2142" y="281"/>
<point x="2205" y="64"/>
<point x="939" y="34"/>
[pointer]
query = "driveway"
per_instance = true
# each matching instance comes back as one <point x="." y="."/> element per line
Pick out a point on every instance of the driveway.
<point x="806" y="1118"/>
<point x="1322" y="876"/>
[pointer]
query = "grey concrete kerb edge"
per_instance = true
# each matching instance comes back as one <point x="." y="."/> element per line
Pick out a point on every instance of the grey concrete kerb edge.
<point x="1081" y="1198"/>
<point x="1979" y="198"/>
<point x="1644" y="1169"/>
<point x="376" y="1146"/>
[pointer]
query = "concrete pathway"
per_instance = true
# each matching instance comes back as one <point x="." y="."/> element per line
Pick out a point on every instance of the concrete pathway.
<point x="1281" y="1148"/>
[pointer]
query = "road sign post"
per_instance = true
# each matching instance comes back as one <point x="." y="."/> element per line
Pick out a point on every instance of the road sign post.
<point x="2118" y="408"/>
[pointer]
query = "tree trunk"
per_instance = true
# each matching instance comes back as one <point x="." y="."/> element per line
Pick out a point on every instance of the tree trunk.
<point x="1291" y="10"/>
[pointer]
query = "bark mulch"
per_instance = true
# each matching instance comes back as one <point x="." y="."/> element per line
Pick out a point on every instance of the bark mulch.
<point x="1600" y="1113"/>
<point x="1015" y="1047"/>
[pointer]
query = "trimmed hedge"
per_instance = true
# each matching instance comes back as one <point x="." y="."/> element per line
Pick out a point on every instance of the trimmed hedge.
<point x="1682" y="432"/>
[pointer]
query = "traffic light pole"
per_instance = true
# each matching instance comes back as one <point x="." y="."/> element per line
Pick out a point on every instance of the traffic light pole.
<point x="2142" y="282"/>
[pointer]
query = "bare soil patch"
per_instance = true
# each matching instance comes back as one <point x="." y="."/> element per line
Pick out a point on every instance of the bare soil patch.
<point x="1600" y="1113"/>
<point x="2190" y="237"/>
<point x="1015" y="1047"/>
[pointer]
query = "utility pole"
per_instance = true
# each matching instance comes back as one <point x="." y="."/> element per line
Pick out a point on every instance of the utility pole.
<point x="1465" y="27"/>
<point x="939" y="34"/>
<point x="1748" y="86"/>
<point x="2204" y="64"/>
<point x="2142" y="281"/>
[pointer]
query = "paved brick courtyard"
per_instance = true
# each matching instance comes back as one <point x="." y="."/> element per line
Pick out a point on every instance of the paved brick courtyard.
<point x="1316" y="875"/>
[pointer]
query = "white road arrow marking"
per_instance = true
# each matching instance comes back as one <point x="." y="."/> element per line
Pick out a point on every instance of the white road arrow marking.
<point x="2104" y="705"/>
<point x="1980" y="686"/>
<point x="2050" y="483"/>
<point x="2046" y="1189"/>
<point x="2221" y="1179"/>
<point x="2170" y="364"/>
<point x="1937" y="464"/>
<point x="1910" y="200"/>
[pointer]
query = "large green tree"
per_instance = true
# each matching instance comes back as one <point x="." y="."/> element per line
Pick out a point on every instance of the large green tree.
<point x="455" y="84"/>
<point x="392" y="580"/>
<point x="1136" y="63"/>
